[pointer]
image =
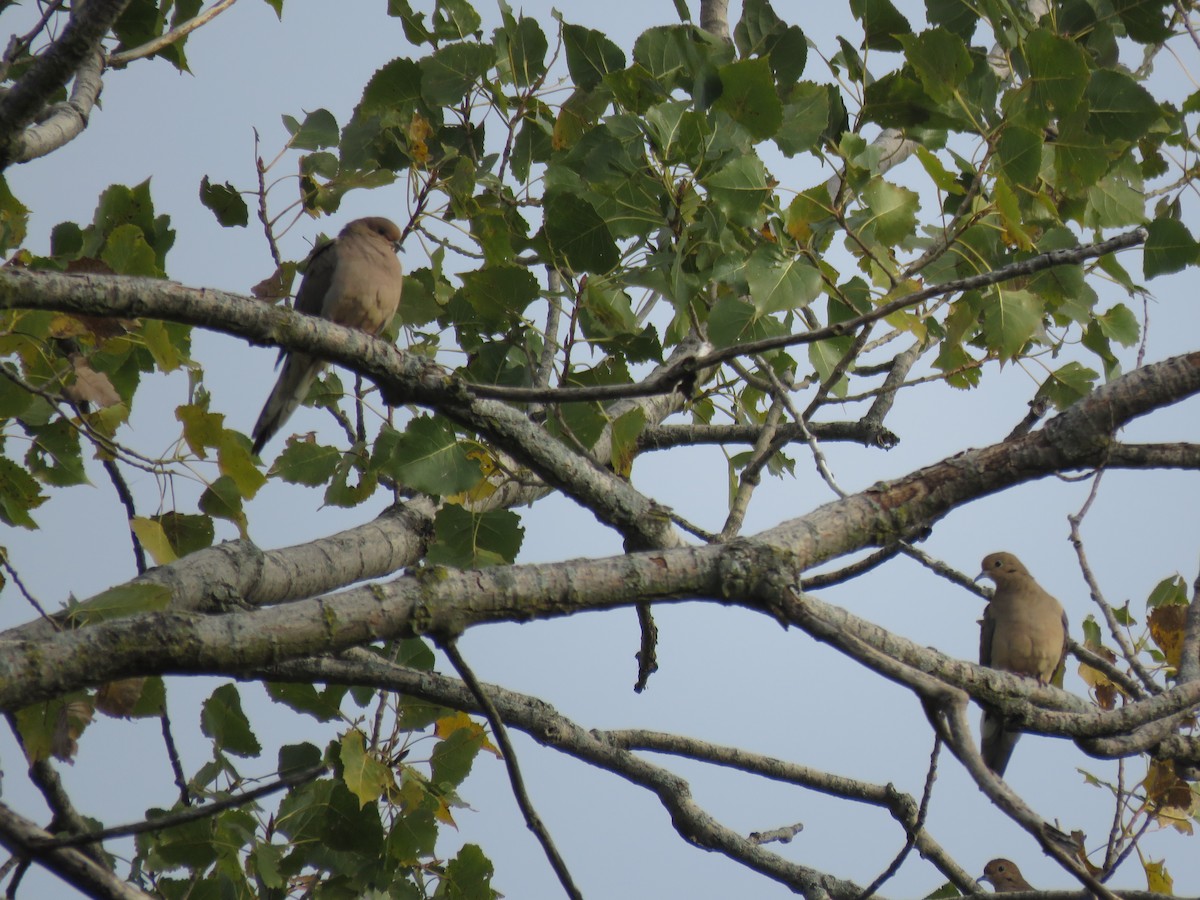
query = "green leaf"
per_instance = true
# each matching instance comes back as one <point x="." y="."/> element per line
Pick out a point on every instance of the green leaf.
<point x="449" y="74"/>
<point x="226" y="202"/>
<point x="590" y="55"/>
<point x="579" y="234"/>
<point x="521" y="45"/>
<point x="740" y="190"/>
<point x="324" y="706"/>
<point x="1145" y="21"/>
<point x="235" y="462"/>
<point x="953" y="15"/>
<point x="18" y="495"/>
<point x="1169" y="248"/>
<point x="881" y="22"/>
<point x="468" y="876"/>
<point x="307" y="462"/>
<point x="940" y="60"/>
<point x="1019" y="153"/>
<point x="625" y="432"/>
<point x="805" y="118"/>
<point x="118" y="602"/>
<point x="1171" y="591"/>
<point x="499" y="294"/>
<point x="14" y="219"/>
<point x="453" y="757"/>
<point x="891" y="211"/>
<point x="1068" y="384"/>
<point x="778" y="285"/>
<point x="1058" y="73"/>
<point x="760" y="32"/>
<point x="394" y="90"/>
<point x="222" y="720"/>
<point x="127" y="253"/>
<point x="55" y="455"/>
<point x="364" y="775"/>
<point x="429" y="458"/>
<point x="320" y="129"/>
<point x="748" y="96"/>
<point x="455" y="20"/>
<point x="352" y="481"/>
<point x="223" y="500"/>
<point x="1010" y="319"/>
<point x="825" y="356"/>
<point x="1119" y="324"/>
<point x="1119" y="107"/>
<point x="467" y="540"/>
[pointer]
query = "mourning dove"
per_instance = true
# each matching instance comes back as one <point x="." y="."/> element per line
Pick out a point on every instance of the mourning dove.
<point x="354" y="281"/>
<point x="1005" y="877"/>
<point x="1023" y="630"/>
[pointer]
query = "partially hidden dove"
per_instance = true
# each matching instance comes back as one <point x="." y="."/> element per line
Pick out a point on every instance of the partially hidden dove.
<point x="1005" y="877"/>
<point x="1023" y="630"/>
<point x="354" y="281"/>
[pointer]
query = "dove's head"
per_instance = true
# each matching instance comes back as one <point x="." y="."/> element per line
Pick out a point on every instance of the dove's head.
<point x="1003" y="874"/>
<point x="1000" y="567"/>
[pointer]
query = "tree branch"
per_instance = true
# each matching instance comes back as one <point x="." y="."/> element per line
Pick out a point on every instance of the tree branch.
<point x="24" y="102"/>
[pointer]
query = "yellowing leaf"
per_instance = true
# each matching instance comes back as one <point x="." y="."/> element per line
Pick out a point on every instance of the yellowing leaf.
<point x="1170" y="798"/>
<point x="1157" y="877"/>
<point x="153" y="538"/>
<point x="1166" y="628"/>
<point x="1104" y="692"/>
<point x="365" y="776"/>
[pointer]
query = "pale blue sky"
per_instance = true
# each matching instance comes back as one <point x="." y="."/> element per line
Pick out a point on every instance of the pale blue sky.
<point x="726" y="675"/>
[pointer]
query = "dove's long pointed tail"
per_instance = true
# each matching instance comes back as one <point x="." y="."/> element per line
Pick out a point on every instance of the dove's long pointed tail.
<point x="299" y="371"/>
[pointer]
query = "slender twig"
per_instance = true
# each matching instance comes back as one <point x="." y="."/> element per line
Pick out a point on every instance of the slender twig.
<point x="1110" y="618"/>
<point x="751" y="475"/>
<point x="169" y="37"/>
<point x="126" y="498"/>
<point x="25" y="592"/>
<point x="915" y="830"/>
<point x="164" y="721"/>
<point x="532" y="820"/>
<point x="183" y="817"/>
<point x="682" y="371"/>
<point x="866" y="564"/>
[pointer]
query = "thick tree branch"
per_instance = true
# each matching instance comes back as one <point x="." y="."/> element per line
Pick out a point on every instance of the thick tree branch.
<point x="746" y="572"/>
<point x="544" y="724"/>
<point x="21" y="105"/>
<point x="22" y="838"/>
<point x="404" y="378"/>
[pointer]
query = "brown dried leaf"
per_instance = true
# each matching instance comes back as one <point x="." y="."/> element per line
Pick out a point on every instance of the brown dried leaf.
<point x="1104" y="691"/>
<point x="118" y="698"/>
<point x="277" y="285"/>
<point x="1167" y="625"/>
<point x="90" y="386"/>
<point x="73" y="718"/>
<point x="1172" y="800"/>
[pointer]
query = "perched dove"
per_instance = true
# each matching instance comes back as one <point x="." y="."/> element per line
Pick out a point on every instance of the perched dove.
<point x="1005" y="877"/>
<point x="354" y="281"/>
<point x="1023" y="630"/>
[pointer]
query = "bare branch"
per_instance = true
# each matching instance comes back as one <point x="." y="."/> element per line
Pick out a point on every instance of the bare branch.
<point x="26" y="100"/>
<point x="532" y="820"/>
<point x="178" y="33"/>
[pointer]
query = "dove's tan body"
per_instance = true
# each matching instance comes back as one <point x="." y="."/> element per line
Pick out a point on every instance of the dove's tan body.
<point x="354" y="281"/>
<point x="1023" y="630"/>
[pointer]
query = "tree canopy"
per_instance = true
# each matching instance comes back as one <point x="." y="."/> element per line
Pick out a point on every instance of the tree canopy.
<point x="789" y="318"/>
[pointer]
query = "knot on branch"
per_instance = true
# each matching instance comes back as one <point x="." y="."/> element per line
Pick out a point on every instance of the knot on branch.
<point x="757" y="572"/>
